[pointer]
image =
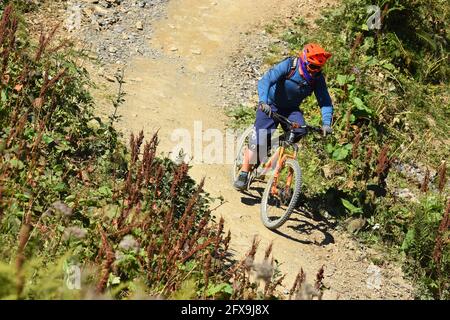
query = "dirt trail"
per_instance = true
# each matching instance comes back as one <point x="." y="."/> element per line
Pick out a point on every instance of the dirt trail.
<point x="172" y="92"/>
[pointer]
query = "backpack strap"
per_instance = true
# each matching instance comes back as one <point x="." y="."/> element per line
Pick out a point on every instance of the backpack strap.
<point x="294" y="62"/>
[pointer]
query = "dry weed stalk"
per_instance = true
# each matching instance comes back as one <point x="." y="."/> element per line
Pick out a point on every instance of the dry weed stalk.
<point x="442" y="175"/>
<point x="305" y="291"/>
<point x="109" y="259"/>
<point x="367" y="163"/>
<point x="425" y="182"/>
<point x="382" y="160"/>
<point x="44" y="41"/>
<point x="358" y="40"/>
<point x="297" y="286"/>
<point x="207" y="270"/>
<point x="319" y="278"/>
<point x="356" y="142"/>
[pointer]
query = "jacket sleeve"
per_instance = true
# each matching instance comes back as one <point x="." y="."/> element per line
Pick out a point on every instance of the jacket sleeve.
<point x="271" y="77"/>
<point x="324" y="100"/>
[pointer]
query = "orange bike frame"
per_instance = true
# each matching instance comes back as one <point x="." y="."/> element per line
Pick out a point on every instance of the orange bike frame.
<point x="280" y="157"/>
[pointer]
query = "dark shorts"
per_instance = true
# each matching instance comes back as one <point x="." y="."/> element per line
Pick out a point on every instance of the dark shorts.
<point x="264" y="125"/>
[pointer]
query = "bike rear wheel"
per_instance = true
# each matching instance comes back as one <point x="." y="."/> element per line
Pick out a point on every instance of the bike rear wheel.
<point x="277" y="208"/>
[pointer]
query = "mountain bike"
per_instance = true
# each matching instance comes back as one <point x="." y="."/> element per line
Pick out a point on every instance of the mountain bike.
<point x="282" y="190"/>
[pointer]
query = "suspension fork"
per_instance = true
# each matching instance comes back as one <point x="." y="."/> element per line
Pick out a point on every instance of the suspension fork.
<point x="281" y="159"/>
<point x="280" y="163"/>
<point x="290" y="174"/>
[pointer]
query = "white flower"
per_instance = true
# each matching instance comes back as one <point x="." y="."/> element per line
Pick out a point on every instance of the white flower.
<point x="374" y="280"/>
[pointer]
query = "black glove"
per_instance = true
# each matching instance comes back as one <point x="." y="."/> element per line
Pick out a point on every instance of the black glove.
<point x="266" y="109"/>
<point x="326" y="130"/>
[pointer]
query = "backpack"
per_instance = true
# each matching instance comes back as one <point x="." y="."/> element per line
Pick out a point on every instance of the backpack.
<point x="294" y="63"/>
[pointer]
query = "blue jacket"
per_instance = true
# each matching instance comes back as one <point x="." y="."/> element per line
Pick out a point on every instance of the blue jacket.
<point x="275" y="89"/>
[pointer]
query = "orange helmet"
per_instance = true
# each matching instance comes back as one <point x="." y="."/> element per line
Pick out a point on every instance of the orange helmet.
<point x="314" y="54"/>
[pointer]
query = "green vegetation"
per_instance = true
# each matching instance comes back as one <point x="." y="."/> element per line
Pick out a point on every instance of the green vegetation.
<point x="73" y="197"/>
<point x="385" y="161"/>
<point x="241" y="116"/>
<point x="71" y="194"/>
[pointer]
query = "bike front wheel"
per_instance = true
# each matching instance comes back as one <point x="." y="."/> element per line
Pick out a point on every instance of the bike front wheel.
<point x="280" y="197"/>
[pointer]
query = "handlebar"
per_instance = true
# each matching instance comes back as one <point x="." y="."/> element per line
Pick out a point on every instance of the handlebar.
<point x="294" y="125"/>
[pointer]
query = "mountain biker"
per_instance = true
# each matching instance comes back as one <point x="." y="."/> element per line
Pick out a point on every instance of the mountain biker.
<point x="282" y="89"/>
